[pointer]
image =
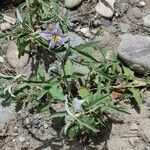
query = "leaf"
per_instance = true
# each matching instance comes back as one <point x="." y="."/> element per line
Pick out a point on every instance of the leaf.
<point x="128" y="72"/>
<point x="58" y="114"/>
<point x="19" y="15"/>
<point x="136" y="95"/>
<point x="84" y="93"/>
<point x="73" y="131"/>
<point x="41" y="94"/>
<point x="56" y="92"/>
<point x="88" y="126"/>
<point x="69" y="68"/>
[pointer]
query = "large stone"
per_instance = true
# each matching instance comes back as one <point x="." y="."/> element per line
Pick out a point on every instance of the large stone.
<point x="146" y="20"/>
<point x="105" y="8"/>
<point x="7" y="113"/>
<point x="12" y="56"/>
<point x="134" y="51"/>
<point x="72" y="3"/>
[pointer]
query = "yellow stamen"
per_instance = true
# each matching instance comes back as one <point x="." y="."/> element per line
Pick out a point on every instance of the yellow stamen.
<point x="56" y="37"/>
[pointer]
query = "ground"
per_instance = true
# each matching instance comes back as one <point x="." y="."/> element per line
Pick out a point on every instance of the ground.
<point x="27" y="131"/>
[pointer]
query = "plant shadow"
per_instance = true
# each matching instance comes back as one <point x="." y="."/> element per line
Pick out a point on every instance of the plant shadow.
<point x="97" y="142"/>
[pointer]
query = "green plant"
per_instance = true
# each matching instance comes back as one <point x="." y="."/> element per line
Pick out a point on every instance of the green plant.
<point x="80" y="83"/>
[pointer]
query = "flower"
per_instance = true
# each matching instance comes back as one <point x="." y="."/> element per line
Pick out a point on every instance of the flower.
<point x="56" y="37"/>
<point x="77" y="104"/>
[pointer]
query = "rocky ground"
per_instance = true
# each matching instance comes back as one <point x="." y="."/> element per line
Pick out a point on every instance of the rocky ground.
<point x="121" y="26"/>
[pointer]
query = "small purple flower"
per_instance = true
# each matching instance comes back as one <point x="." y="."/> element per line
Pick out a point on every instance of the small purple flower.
<point x="77" y="103"/>
<point x="56" y="37"/>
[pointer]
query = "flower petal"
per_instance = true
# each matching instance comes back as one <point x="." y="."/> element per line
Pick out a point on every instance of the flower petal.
<point x="77" y="104"/>
<point x="52" y="44"/>
<point x="46" y="35"/>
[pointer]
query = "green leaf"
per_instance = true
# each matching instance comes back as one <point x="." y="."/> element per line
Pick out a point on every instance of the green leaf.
<point x="136" y="95"/>
<point x="84" y="93"/>
<point x="128" y="72"/>
<point x="56" y="92"/>
<point x="19" y="15"/>
<point x="85" y="124"/>
<point x="69" y="68"/>
<point x="73" y="131"/>
<point x="41" y="94"/>
<point x="58" y="114"/>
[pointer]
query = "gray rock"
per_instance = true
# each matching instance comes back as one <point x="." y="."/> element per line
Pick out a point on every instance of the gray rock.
<point x="75" y="39"/>
<point x="22" y="139"/>
<point x="134" y="50"/>
<point x="12" y="56"/>
<point x="72" y="3"/>
<point x="146" y="20"/>
<point x="5" y="26"/>
<point x="106" y="8"/>
<point x="121" y="9"/>
<point x="6" y="112"/>
<point x="124" y="27"/>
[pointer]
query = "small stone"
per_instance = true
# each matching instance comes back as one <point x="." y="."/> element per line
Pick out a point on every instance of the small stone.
<point x="124" y="27"/>
<point x="27" y="121"/>
<point x="72" y="3"/>
<point x="1" y="59"/>
<point x="9" y="19"/>
<point x="22" y="139"/>
<point x="134" y="127"/>
<point x="148" y="104"/>
<point x="5" y="26"/>
<point x="45" y="125"/>
<point x="121" y="9"/>
<point x="12" y="56"/>
<point x="106" y="8"/>
<point x="142" y="4"/>
<point x="86" y="32"/>
<point x="146" y="20"/>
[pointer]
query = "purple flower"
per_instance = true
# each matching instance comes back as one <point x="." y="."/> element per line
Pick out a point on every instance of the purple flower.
<point x="77" y="103"/>
<point x="56" y="37"/>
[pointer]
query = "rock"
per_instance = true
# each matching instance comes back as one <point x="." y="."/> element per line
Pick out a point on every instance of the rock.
<point x="9" y="19"/>
<point x="86" y="32"/>
<point x="6" y="112"/>
<point x="124" y="27"/>
<point x="5" y="26"/>
<point x="146" y="20"/>
<point x="75" y="39"/>
<point x="1" y="59"/>
<point x="134" y="15"/>
<point x="134" y="51"/>
<point x="72" y="3"/>
<point x="142" y="4"/>
<point x="45" y="125"/>
<point x="121" y="9"/>
<point x="105" y="8"/>
<point x="22" y="139"/>
<point x="133" y="141"/>
<point x="12" y="56"/>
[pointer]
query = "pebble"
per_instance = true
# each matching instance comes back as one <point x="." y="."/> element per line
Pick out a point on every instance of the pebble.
<point x="72" y="3"/>
<point x="5" y="26"/>
<point x="22" y="139"/>
<point x="45" y="125"/>
<point x="134" y="51"/>
<point x="124" y="27"/>
<point x="1" y="59"/>
<point x="9" y="19"/>
<point x="12" y="56"/>
<point x="142" y="4"/>
<point x="134" y="15"/>
<point x="86" y="32"/>
<point x="105" y="9"/>
<point x="121" y="9"/>
<point x="146" y="20"/>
